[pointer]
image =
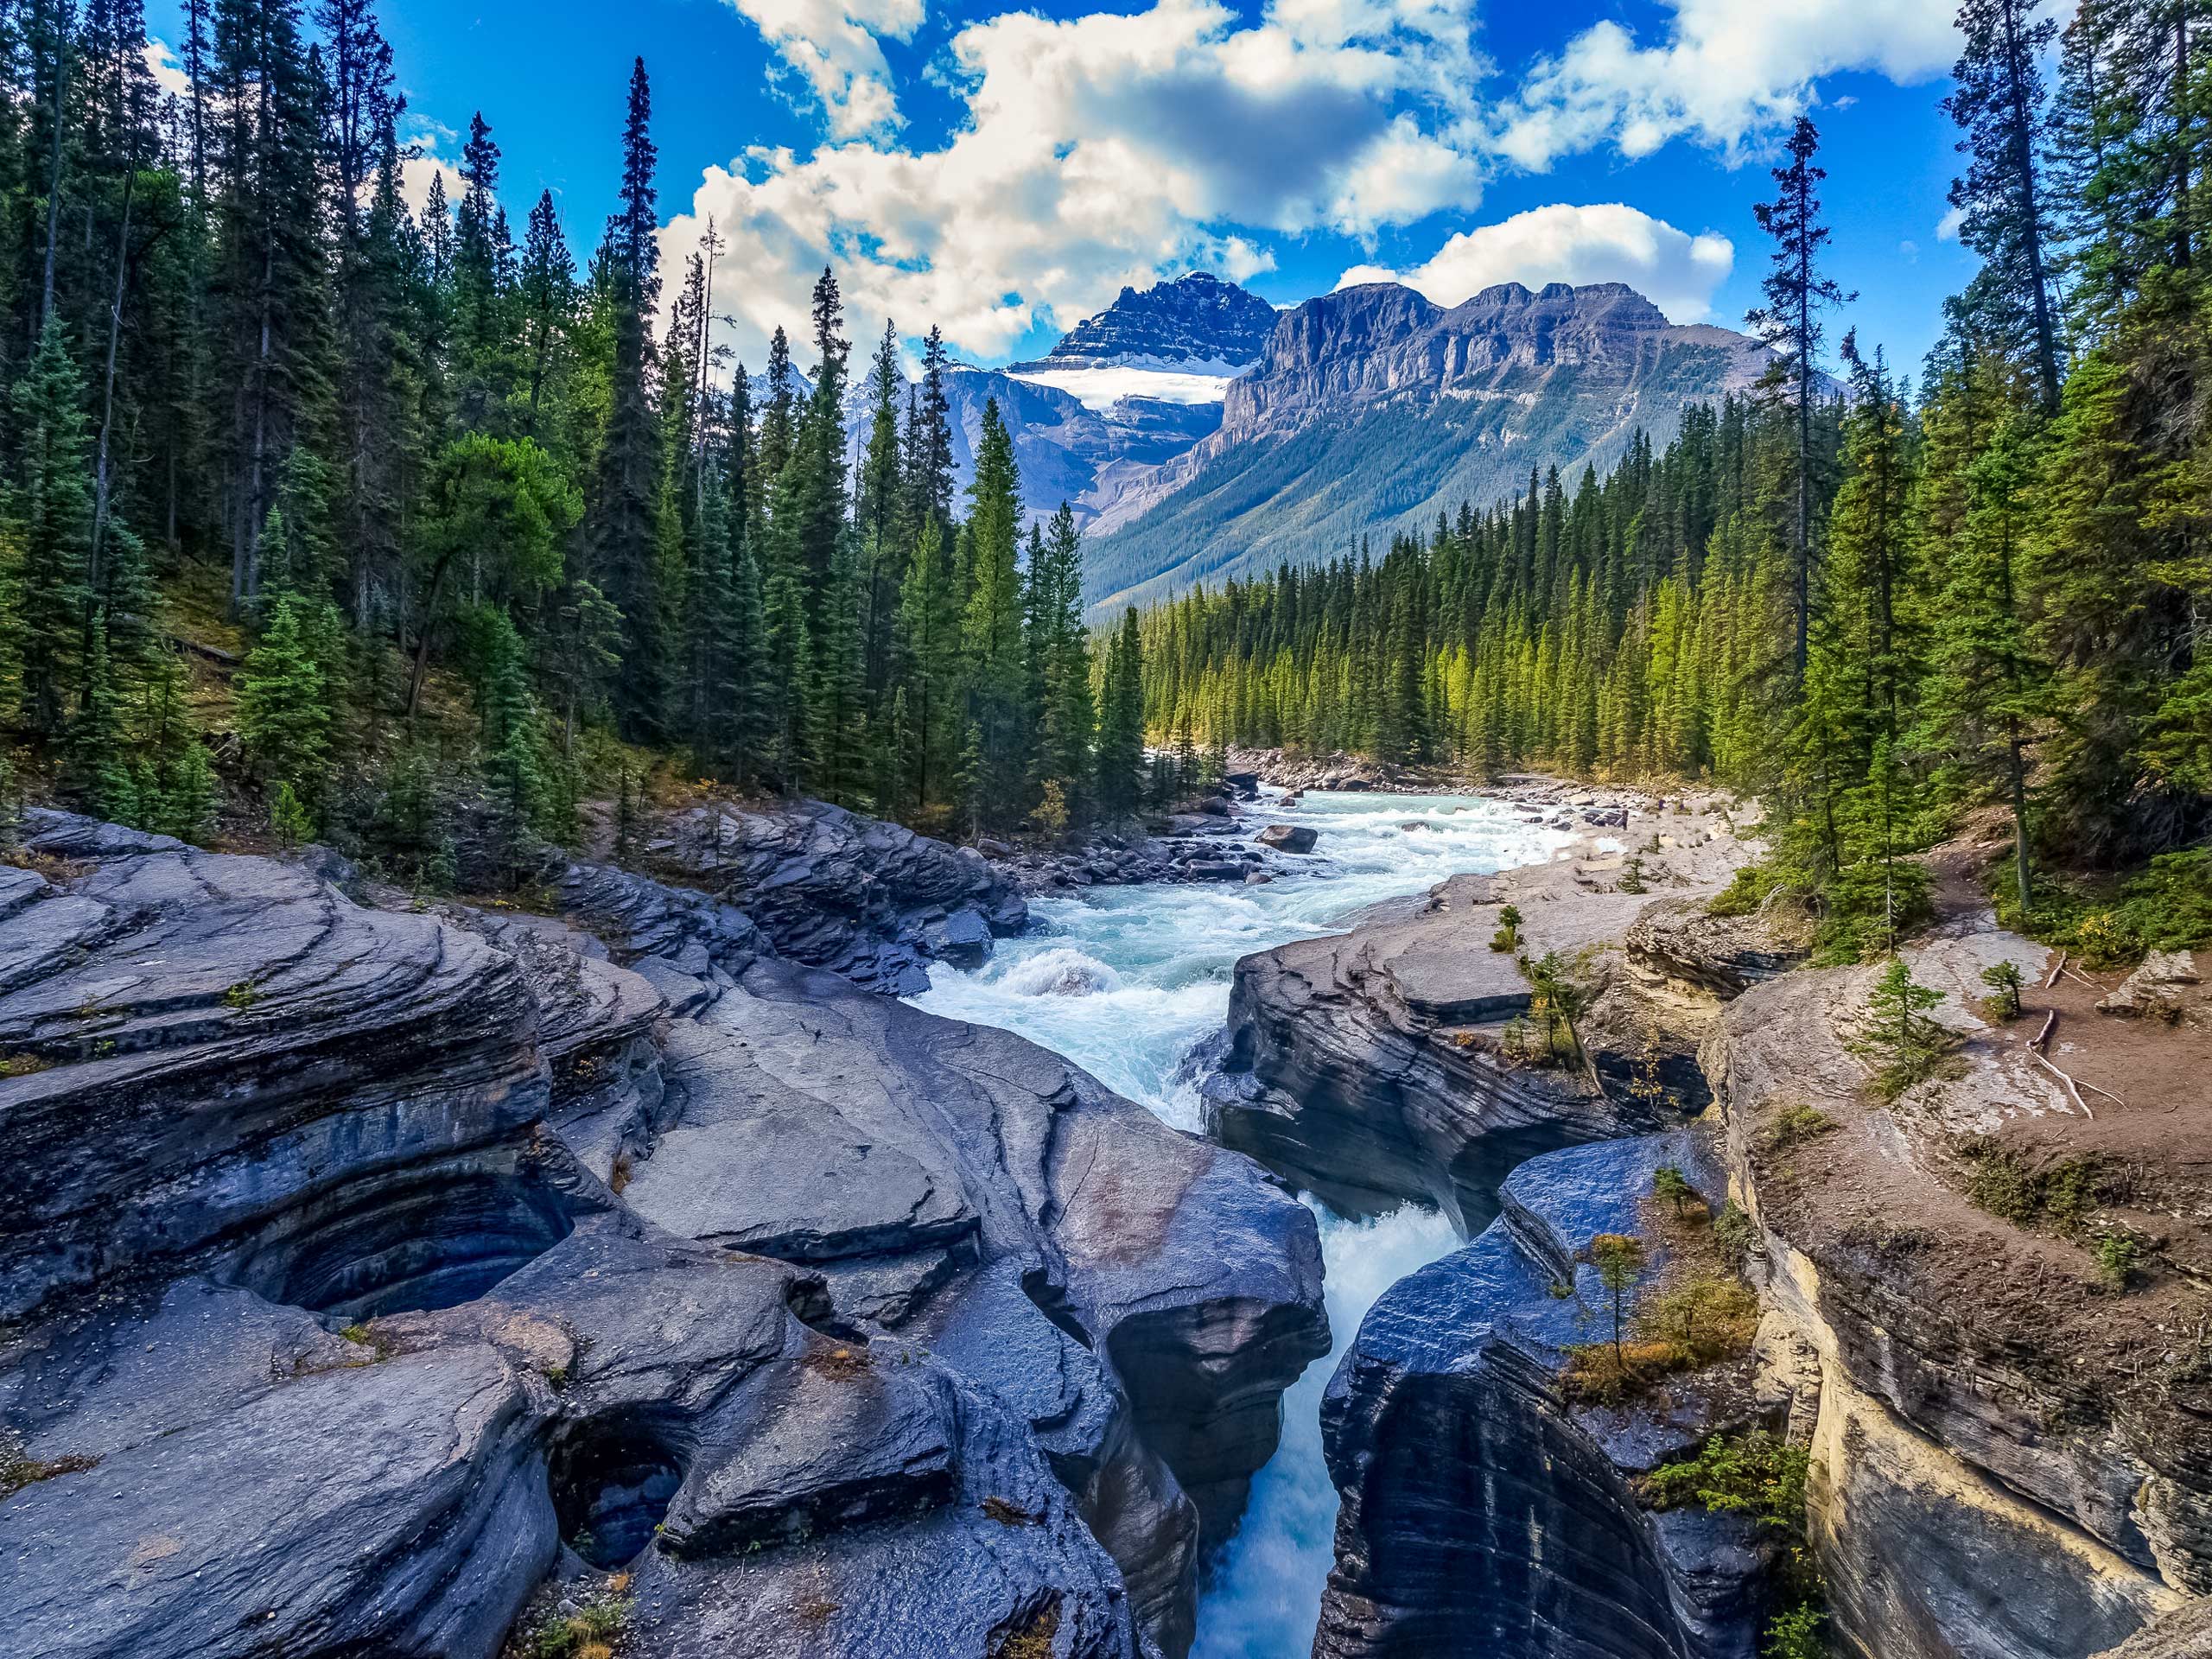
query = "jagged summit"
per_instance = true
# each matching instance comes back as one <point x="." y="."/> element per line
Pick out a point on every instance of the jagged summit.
<point x="1197" y="318"/>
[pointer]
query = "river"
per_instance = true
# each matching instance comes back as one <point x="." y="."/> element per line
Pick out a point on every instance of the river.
<point x="1124" y="980"/>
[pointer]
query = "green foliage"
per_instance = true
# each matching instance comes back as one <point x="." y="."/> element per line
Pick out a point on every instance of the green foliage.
<point x="1747" y="891"/>
<point x="2117" y="1256"/>
<point x="284" y="711"/>
<point x="2004" y="982"/>
<point x="2063" y="1193"/>
<point x="1905" y="1046"/>
<point x="1757" y="1474"/>
<point x="290" y="821"/>
<point x="1671" y="1188"/>
<point x="1795" y="1633"/>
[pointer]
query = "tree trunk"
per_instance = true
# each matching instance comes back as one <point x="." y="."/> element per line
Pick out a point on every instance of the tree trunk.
<point x="107" y="393"/>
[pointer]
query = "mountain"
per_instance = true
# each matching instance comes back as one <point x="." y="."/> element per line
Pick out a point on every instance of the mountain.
<point x="1195" y="321"/>
<point x="1122" y="393"/>
<point x="1373" y="409"/>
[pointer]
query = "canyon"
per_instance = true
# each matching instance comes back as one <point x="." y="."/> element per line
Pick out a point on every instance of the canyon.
<point x="798" y="1239"/>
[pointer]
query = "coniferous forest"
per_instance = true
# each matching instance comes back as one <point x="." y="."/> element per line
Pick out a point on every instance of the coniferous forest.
<point x="414" y="531"/>
<point x="1878" y="605"/>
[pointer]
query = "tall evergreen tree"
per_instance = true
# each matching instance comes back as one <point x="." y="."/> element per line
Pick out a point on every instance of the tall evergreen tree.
<point x="1796" y="292"/>
<point x="624" y="525"/>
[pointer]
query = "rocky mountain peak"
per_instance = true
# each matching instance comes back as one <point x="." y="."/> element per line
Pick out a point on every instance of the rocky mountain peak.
<point x="1197" y="318"/>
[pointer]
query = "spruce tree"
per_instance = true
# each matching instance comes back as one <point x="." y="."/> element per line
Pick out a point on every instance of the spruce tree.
<point x="623" y="526"/>
<point x="1790" y="322"/>
<point x="2005" y="213"/>
<point x="50" y="518"/>
<point x="991" y="633"/>
<point x="283" y="715"/>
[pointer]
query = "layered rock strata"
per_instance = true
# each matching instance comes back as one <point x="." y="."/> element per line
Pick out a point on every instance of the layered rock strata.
<point x="1484" y="1512"/>
<point x="2010" y="1459"/>
<point x="1394" y="1063"/>
<point x="384" y="1262"/>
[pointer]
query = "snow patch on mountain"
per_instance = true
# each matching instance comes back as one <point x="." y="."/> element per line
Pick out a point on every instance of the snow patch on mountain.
<point x="1100" y="389"/>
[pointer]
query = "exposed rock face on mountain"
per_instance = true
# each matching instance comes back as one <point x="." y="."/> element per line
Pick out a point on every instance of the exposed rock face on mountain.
<point x="1373" y="410"/>
<point x="1482" y="1512"/>
<point x="383" y="1261"/>
<point x="1385" y="1065"/>
<point x="1195" y="319"/>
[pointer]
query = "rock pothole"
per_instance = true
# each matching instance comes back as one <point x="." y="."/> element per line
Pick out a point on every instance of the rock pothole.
<point x="612" y="1479"/>
<point x="435" y="1244"/>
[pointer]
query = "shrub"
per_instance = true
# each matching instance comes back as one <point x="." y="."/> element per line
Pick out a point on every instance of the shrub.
<point x="1746" y="891"/>
<point x="1670" y="1186"/>
<point x="1793" y="1126"/>
<point x="1733" y="1231"/>
<point x="2168" y="906"/>
<point x="1508" y="937"/>
<point x="1795" y="1633"/>
<point x="1757" y="1474"/>
<point x="1999" y="1180"/>
<point x="2004" y="983"/>
<point x="2117" y="1256"/>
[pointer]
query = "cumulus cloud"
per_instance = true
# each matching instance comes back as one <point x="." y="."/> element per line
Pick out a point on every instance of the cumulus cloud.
<point x="1605" y="242"/>
<point x="1103" y="149"/>
<point x="833" y="46"/>
<point x="1726" y="73"/>
<point x="162" y="62"/>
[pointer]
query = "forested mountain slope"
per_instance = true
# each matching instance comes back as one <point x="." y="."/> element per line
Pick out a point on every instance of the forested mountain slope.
<point x="1372" y="409"/>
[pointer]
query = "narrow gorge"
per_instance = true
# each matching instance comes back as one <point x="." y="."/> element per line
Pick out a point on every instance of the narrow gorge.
<point x="804" y="1243"/>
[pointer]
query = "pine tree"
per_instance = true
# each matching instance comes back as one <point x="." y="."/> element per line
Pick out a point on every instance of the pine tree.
<point x="49" y="518"/>
<point x="283" y="715"/>
<point x="2003" y="208"/>
<point x="991" y="633"/>
<point x="1790" y="322"/>
<point x="623" y="527"/>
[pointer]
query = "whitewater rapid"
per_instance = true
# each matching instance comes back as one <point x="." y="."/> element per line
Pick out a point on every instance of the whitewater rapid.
<point x="1124" y="981"/>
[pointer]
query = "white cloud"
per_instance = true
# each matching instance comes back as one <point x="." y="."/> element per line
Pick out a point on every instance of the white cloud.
<point x="1104" y="149"/>
<point x="168" y="72"/>
<point x="832" y="44"/>
<point x="1947" y="228"/>
<point x="1605" y="242"/>
<point x="1728" y="73"/>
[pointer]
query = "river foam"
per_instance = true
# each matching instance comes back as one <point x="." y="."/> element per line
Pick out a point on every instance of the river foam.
<point x="1124" y="981"/>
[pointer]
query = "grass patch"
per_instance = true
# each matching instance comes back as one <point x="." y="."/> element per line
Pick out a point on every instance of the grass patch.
<point x="18" y="1469"/>
<point x="1793" y="1126"/>
<point x="1033" y="1637"/>
<point x="841" y="1363"/>
<point x="23" y="1065"/>
<point x="594" y="1630"/>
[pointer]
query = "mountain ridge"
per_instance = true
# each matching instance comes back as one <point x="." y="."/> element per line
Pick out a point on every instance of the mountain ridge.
<point x="1373" y="408"/>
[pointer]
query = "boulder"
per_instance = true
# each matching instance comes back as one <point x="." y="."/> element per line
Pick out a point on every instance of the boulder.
<point x="1288" y="837"/>
<point x="1216" y="806"/>
<point x="833" y="889"/>
<point x="1202" y="869"/>
<point x="2160" y="985"/>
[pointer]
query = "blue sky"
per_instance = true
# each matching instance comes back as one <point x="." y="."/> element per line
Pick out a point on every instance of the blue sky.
<point x="1003" y="173"/>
